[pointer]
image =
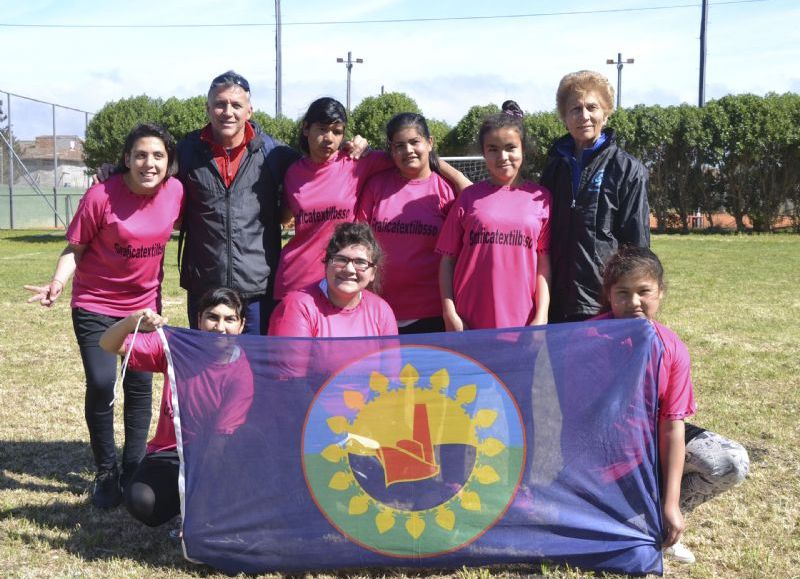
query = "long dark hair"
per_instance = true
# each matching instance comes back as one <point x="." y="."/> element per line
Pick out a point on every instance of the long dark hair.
<point x="148" y="130"/>
<point x="412" y="120"/>
<point x="325" y="110"/>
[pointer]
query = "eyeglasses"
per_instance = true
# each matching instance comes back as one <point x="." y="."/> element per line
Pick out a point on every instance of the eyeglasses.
<point x="229" y="78"/>
<point x="359" y="263"/>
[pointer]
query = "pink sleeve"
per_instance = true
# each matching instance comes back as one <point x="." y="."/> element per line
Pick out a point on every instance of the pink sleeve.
<point x="291" y="319"/>
<point x="366" y="201"/>
<point x="678" y="399"/>
<point x="449" y="242"/>
<point x="543" y="243"/>
<point x="148" y="352"/>
<point x="389" y="323"/>
<point x="182" y="207"/>
<point x="237" y="399"/>
<point x="373" y="163"/>
<point x="89" y="216"/>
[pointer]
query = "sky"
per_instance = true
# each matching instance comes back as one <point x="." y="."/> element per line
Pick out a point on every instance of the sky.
<point x="469" y="52"/>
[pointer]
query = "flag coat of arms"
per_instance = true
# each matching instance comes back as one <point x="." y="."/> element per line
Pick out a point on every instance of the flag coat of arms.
<point x="521" y="445"/>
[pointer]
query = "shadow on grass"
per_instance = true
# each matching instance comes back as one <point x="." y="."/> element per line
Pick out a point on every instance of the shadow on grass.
<point x="44" y="510"/>
<point x="53" y="461"/>
<point x="56" y="237"/>
<point x="50" y="505"/>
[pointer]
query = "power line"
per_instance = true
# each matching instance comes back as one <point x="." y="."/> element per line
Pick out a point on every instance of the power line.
<point x="382" y="21"/>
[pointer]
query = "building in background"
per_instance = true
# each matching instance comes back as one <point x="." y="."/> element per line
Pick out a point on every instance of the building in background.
<point x="37" y="156"/>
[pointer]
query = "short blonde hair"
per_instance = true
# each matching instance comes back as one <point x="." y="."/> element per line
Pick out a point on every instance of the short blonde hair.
<point x="582" y="82"/>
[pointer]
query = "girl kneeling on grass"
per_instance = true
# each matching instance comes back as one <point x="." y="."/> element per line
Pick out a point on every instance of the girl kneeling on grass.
<point x="152" y="495"/>
<point x="696" y="464"/>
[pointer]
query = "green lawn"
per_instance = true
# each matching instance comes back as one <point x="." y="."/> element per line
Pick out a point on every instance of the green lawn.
<point x="733" y="299"/>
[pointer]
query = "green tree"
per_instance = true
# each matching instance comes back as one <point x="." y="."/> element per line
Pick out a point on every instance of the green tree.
<point x="106" y="132"/>
<point x="777" y="169"/>
<point x="644" y="132"/>
<point x="737" y="142"/>
<point x="369" y="118"/>
<point x="684" y="159"/>
<point x="182" y="116"/>
<point x="542" y="130"/>
<point x="463" y="138"/>
<point x="283" y="128"/>
<point x="439" y="131"/>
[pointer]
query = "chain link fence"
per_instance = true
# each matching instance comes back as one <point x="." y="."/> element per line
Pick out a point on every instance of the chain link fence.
<point x="42" y="172"/>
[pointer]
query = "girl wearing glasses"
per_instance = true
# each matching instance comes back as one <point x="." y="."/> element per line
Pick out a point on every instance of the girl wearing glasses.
<point x="341" y="305"/>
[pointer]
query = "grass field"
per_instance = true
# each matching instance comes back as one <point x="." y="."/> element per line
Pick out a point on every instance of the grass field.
<point x="733" y="299"/>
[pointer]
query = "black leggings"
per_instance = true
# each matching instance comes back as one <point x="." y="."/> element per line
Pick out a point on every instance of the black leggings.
<point x="100" y="368"/>
<point x="152" y="494"/>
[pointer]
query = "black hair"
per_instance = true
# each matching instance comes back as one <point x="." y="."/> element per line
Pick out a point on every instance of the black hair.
<point x="511" y="117"/>
<point x="222" y="295"/>
<point x="630" y="260"/>
<point x="347" y="234"/>
<point x="141" y="131"/>
<point x="405" y="120"/>
<point x="325" y="110"/>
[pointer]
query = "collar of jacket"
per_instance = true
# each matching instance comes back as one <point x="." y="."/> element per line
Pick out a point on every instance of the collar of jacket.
<point x="565" y="146"/>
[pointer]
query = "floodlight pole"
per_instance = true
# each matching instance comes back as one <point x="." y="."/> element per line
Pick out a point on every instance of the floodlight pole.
<point x="620" y="63"/>
<point x="349" y="64"/>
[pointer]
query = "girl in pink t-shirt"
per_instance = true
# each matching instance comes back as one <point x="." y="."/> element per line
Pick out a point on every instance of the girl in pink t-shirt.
<point x="320" y="190"/>
<point x="495" y="267"/>
<point x="116" y="243"/>
<point x="223" y="389"/>
<point x="406" y="207"/>
<point x="340" y="305"/>
<point x="696" y="464"/>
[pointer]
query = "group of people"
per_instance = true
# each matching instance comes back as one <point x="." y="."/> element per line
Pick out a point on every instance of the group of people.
<point x="385" y="242"/>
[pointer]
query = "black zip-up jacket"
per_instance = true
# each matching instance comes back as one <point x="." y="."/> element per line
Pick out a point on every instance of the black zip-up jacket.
<point x="587" y="226"/>
<point x="232" y="234"/>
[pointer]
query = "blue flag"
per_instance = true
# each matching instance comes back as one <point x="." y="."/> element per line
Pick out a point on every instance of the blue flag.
<point x="522" y="445"/>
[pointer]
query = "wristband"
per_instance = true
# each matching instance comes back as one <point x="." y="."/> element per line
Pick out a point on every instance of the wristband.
<point x="58" y="281"/>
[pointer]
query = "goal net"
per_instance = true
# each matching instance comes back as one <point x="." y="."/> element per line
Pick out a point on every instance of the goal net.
<point x="474" y="168"/>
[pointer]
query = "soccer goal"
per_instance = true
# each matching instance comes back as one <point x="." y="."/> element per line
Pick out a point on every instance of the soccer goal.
<point x="474" y="168"/>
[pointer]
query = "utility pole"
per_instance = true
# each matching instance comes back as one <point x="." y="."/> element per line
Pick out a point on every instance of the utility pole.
<point x="620" y="63"/>
<point x="701" y="97"/>
<point x="2" y="168"/>
<point x="278" y="80"/>
<point x="349" y="64"/>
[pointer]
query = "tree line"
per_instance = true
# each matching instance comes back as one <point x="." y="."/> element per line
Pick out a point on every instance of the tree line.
<point x="739" y="154"/>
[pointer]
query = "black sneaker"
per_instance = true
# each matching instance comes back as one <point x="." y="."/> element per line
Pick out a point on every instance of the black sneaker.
<point x="106" y="493"/>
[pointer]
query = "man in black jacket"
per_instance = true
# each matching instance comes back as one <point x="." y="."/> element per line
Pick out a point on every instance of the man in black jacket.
<point x="232" y="173"/>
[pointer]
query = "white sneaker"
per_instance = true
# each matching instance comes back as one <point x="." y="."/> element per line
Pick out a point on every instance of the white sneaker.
<point x="679" y="553"/>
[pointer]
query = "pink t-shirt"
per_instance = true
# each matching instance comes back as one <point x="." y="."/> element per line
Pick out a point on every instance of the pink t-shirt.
<point x="308" y="313"/>
<point x="675" y="389"/>
<point x="495" y="235"/>
<point x="213" y="391"/>
<point x="319" y="196"/>
<point x="406" y="216"/>
<point x="125" y="235"/>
